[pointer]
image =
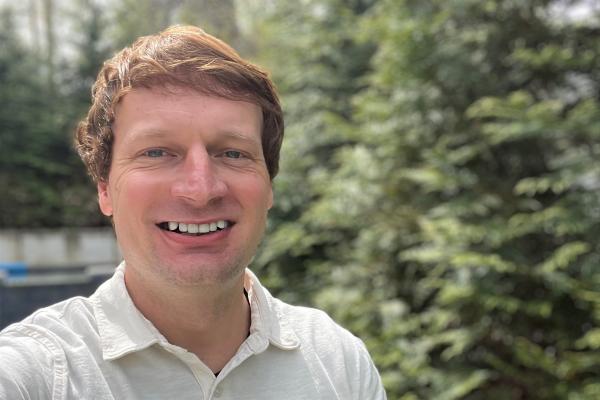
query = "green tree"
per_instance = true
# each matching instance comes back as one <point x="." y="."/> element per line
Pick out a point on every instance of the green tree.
<point x="134" y="18"/>
<point x="496" y="144"/>
<point x="43" y="182"/>
<point x="218" y="17"/>
<point x="28" y="136"/>
<point x="78" y="74"/>
<point x="451" y="217"/>
<point x="317" y="63"/>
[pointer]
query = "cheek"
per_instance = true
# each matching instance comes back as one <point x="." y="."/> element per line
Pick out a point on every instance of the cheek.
<point x="256" y="194"/>
<point x="132" y="190"/>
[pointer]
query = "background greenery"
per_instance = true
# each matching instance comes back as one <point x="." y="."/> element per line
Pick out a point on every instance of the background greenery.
<point x="440" y="184"/>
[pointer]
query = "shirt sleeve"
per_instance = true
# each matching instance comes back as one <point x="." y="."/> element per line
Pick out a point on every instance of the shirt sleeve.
<point x="26" y="368"/>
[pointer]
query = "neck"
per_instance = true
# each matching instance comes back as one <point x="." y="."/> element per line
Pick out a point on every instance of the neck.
<point x="209" y="322"/>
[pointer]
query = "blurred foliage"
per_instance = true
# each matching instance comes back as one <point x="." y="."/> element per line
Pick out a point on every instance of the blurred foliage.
<point x="440" y="185"/>
<point x="43" y="182"/>
<point x="440" y="189"/>
<point x="134" y="18"/>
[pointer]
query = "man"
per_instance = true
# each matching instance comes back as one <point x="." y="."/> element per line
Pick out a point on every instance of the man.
<point x="182" y="140"/>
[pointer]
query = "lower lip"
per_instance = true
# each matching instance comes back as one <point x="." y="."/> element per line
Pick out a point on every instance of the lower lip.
<point x="208" y="239"/>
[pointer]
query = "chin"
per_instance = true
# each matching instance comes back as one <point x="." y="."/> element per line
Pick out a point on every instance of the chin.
<point x="194" y="274"/>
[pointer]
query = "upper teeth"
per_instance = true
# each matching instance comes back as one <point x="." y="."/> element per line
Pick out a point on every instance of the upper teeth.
<point x="197" y="228"/>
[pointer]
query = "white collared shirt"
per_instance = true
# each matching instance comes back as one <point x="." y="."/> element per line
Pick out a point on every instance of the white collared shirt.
<point x="102" y="347"/>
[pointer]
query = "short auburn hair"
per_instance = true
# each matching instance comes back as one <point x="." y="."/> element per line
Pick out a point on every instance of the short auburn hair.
<point x="180" y="56"/>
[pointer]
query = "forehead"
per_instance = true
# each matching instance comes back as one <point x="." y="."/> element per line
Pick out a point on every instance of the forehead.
<point x="172" y="109"/>
<point x="174" y="93"/>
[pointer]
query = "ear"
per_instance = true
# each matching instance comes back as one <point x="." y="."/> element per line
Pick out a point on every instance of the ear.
<point x="104" y="199"/>
<point x="270" y="199"/>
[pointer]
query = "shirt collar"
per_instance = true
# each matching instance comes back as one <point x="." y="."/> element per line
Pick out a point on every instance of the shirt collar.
<point x="267" y="318"/>
<point x="123" y="329"/>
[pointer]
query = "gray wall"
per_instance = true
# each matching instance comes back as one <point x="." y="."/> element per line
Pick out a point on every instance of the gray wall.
<point x="48" y="248"/>
<point x="42" y="267"/>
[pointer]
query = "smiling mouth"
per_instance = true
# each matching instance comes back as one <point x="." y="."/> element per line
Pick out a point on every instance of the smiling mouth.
<point x="194" y="229"/>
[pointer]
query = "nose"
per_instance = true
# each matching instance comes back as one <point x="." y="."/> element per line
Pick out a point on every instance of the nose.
<point x="197" y="181"/>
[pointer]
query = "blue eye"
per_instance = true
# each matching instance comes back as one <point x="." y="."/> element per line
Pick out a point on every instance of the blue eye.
<point x="233" y="154"/>
<point x="154" y="153"/>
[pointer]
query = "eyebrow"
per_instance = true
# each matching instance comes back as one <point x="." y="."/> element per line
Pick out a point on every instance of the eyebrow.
<point x="146" y="133"/>
<point x="239" y="136"/>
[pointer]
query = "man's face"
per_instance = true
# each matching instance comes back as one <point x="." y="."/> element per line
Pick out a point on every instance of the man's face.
<point x="188" y="187"/>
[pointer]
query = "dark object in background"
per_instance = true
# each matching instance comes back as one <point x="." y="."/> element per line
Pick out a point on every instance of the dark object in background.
<point x="23" y="291"/>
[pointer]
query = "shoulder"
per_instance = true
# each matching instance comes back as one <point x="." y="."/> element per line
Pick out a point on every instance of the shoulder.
<point x="343" y="356"/>
<point x="33" y="352"/>
<point x="67" y="320"/>
<point x="28" y="359"/>
<point x="337" y="360"/>
<point x="315" y="326"/>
